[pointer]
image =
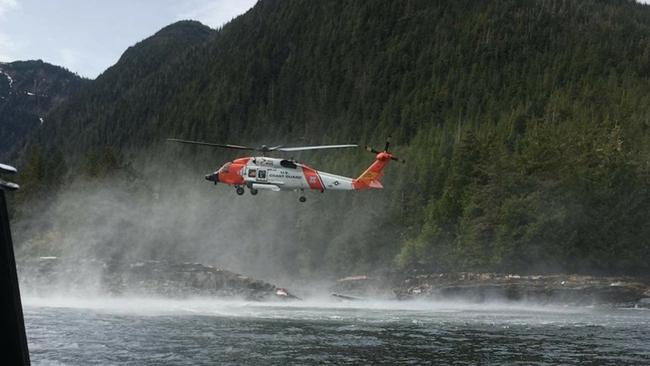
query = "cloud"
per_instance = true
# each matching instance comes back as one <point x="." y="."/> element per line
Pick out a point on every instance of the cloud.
<point x="100" y="31"/>
<point x="7" y="47"/>
<point x="214" y="13"/>
<point x="6" y="6"/>
<point x="69" y="57"/>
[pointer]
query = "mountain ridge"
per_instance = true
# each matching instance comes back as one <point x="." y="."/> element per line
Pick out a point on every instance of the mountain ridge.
<point x="29" y="90"/>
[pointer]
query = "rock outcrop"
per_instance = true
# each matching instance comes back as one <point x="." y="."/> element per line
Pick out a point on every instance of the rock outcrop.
<point x="49" y="275"/>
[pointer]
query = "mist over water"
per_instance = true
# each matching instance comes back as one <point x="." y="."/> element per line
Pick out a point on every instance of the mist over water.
<point x="161" y="208"/>
<point x="239" y="307"/>
<point x="75" y="331"/>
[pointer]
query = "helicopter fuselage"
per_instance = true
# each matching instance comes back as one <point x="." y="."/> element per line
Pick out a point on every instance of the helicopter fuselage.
<point x="274" y="174"/>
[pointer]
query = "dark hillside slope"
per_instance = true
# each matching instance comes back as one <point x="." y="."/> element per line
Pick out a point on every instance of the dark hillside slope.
<point x="122" y="100"/>
<point x="150" y="55"/>
<point x="29" y="90"/>
<point x="310" y="68"/>
<point x="525" y="122"/>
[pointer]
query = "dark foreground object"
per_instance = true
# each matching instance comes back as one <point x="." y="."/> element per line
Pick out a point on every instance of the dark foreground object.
<point x="11" y="312"/>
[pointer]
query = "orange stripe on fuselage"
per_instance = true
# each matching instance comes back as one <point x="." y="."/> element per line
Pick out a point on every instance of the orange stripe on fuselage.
<point x="312" y="178"/>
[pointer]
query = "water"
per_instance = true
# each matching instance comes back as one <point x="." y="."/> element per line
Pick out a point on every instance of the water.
<point x="194" y="332"/>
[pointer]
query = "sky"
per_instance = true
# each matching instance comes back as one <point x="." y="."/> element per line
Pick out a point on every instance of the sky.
<point x="88" y="36"/>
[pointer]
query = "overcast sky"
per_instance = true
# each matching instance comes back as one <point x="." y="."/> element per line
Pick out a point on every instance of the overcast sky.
<point x="88" y="36"/>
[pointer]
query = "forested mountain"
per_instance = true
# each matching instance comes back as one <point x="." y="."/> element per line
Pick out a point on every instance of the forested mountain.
<point x="136" y="84"/>
<point x="28" y="91"/>
<point x="525" y="124"/>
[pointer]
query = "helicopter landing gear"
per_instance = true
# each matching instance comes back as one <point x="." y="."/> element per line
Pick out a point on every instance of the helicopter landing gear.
<point x="239" y="191"/>
<point x="302" y="197"/>
<point x="254" y="191"/>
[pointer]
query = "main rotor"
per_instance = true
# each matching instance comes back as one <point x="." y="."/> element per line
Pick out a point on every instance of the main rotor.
<point x="263" y="148"/>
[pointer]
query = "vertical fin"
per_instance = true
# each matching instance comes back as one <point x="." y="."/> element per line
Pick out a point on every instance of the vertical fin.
<point x="370" y="178"/>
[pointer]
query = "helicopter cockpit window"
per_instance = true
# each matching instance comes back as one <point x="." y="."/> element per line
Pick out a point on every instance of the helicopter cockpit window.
<point x="225" y="168"/>
<point x="252" y="173"/>
<point x="288" y="164"/>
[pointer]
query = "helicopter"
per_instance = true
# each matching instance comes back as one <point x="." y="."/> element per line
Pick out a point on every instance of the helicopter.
<point x="277" y="174"/>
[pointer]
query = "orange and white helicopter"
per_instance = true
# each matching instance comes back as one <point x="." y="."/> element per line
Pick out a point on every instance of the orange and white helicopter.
<point x="275" y="174"/>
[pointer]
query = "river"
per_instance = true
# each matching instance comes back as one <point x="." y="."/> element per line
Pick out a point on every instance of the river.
<point x="115" y="331"/>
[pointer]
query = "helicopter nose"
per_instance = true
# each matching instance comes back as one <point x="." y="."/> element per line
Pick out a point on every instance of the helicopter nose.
<point x="212" y="177"/>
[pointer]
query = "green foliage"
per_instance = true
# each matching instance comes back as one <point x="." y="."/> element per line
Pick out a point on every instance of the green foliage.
<point x="40" y="174"/>
<point x="524" y="123"/>
<point x="100" y="163"/>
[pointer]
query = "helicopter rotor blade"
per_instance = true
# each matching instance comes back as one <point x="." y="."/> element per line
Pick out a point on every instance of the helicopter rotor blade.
<point x="386" y="147"/>
<point x="225" y="146"/>
<point x="316" y="147"/>
<point x="8" y="186"/>
<point x="370" y="149"/>
<point x="7" y="169"/>
<point x="263" y="148"/>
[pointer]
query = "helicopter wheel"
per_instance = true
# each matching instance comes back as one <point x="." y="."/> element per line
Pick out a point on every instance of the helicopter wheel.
<point x="240" y="191"/>
<point x="302" y="199"/>
<point x="253" y="191"/>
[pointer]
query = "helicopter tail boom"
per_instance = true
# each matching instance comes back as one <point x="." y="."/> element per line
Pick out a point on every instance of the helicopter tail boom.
<point x="371" y="177"/>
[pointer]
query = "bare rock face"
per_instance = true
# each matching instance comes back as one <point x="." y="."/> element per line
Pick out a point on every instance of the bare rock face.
<point x="45" y="276"/>
<point x="190" y="279"/>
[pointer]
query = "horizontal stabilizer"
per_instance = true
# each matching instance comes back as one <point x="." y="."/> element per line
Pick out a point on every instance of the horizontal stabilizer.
<point x="375" y="184"/>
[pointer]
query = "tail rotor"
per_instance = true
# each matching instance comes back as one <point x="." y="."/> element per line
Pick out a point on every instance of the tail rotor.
<point x="386" y="150"/>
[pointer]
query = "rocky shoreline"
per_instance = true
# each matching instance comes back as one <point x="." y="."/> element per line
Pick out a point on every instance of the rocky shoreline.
<point x="50" y="275"/>
<point x="578" y="290"/>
